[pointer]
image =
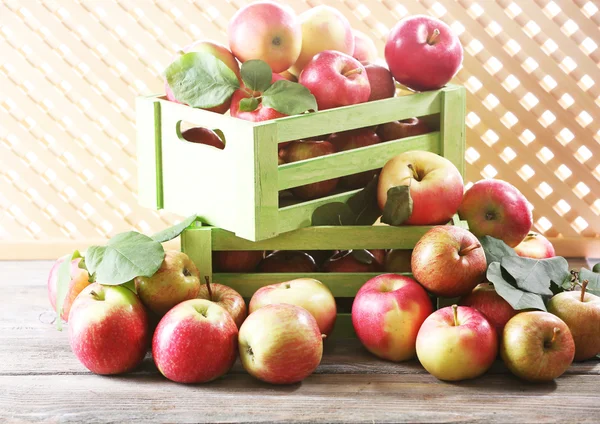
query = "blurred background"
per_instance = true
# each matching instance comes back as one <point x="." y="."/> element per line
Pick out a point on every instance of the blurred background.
<point x="70" y="71"/>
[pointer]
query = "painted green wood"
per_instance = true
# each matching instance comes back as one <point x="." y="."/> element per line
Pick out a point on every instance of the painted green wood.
<point x="343" y="328"/>
<point x="453" y="132"/>
<point x="146" y="152"/>
<point x="197" y="244"/>
<point x="350" y="162"/>
<point x="158" y="157"/>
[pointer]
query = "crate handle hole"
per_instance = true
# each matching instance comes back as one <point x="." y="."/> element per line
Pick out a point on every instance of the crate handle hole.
<point x="194" y="134"/>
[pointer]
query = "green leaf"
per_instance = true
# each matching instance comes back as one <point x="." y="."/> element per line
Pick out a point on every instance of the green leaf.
<point x="62" y="285"/>
<point x="593" y="280"/>
<point x="336" y="213"/>
<point x="517" y="298"/>
<point x="364" y="204"/>
<point x="174" y="231"/>
<point x="495" y="249"/>
<point x="398" y="207"/>
<point x="363" y="256"/>
<point x="201" y="80"/>
<point x="536" y="275"/>
<point x="596" y="268"/>
<point x="248" y="104"/>
<point x="256" y="75"/>
<point x="126" y="256"/>
<point x="289" y="98"/>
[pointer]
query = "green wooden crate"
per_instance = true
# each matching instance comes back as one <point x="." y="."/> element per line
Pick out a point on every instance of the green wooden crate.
<point x="237" y="188"/>
<point x="198" y="242"/>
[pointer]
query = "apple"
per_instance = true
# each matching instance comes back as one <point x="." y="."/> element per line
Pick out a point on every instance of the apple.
<point x="220" y="52"/>
<point x="79" y="280"/>
<point x="227" y="298"/>
<point x="498" y="209"/>
<point x="289" y="76"/>
<point x="434" y="50"/>
<point x="288" y="261"/>
<point x="581" y="312"/>
<point x="305" y="149"/>
<point x="364" y="47"/>
<point x="397" y="260"/>
<point x="336" y="79"/>
<point x="536" y="246"/>
<point x="448" y="261"/>
<point x="203" y="136"/>
<point x="436" y="186"/>
<point x="323" y="28"/>
<point x="267" y="31"/>
<point x="261" y="113"/>
<point x="381" y="82"/>
<point x="485" y="299"/>
<point x="237" y="261"/>
<point x="195" y="342"/>
<point x="176" y="280"/>
<point x="280" y="344"/>
<point x="353" y="139"/>
<point x="320" y="256"/>
<point x="108" y="329"/>
<point x="307" y="293"/>
<point x="387" y="313"/>
<point x="457" y="343"/>
<point x="359" y="260"/>
<point x="401" y="129"/>
<point x="537" y="346"/>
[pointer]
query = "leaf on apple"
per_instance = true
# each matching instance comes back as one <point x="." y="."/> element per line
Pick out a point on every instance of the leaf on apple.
<point x="536" y="275"/>
<point x="174" y="231"/>
<point x="398" y="207"/>
<point x="516" y="297"/>
<point x="201" y="80"/>
<point x="593" y="280"/>
<point x="495" y="249"/>
<point x="256" y="75"/>
<point x="363" y="256"/>
<point x="289" y="98"/>
<point x="364" y="204"/>
<point x="125" y="256"/>
<point x="336" y="213"/>
<point x="248" y="104"/>
<point x="62" y="285"/>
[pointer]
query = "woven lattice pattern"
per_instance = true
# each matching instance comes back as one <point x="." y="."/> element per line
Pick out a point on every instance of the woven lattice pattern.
<point x="70" y="70"/>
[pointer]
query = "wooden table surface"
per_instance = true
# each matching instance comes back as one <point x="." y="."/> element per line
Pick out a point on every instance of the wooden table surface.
<point x="41" y="381"/>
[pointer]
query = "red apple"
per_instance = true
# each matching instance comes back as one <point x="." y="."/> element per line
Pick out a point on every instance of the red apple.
<point x="195" y="342"/>
<point x="457" y="343"/>
<point x="537" y="346"/>
<point x="387" y="313"/>
<point x="288" y="261"/>
<point x="448" y="261"/>
<point x="354" y="261"/>
<point x="302" y="150"/>
<point x="423" y="53"/>
<point x="176" y="280"/>
<point x="401" y="129"/>
<point x="237" y="261"/>
<point x="364" y="47"/>
<point x="336" y="79"/>
<point x="581" y="312"/>
<point x="227" y="298"/>
<point x="536" y="246"/>
<point x="307" y="293"/>
<point x="260" y="113"/>
<point x="353" y="139"/>
<point x="381" y="82"/>
<point x="397" y="260"/>
<point x="436" y="186"/>
<point x="323" y="28"/>
<point x="267" y="31"/>
<point x="498" y="209"/>
<point x="485" y="299"/>
<point x="203" y="136"/>
<point x="280" y="344"/>
<point x="79" y="281"/>
<point x="108" y="329"/>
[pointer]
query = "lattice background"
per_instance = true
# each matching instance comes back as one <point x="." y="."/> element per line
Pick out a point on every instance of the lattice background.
<point x="70" y="70"/>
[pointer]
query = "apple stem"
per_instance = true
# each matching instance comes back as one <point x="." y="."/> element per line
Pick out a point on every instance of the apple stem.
<point x="414" y="172"/>
<point x="353" y="71"/>
<point x="323" y="336"/>
<point x="434" y="35"/>
<point x="583" y="287"/>
<point x="208" y="288"/>
<point x="555" y="334"/>
<point x="466" y="250"/>
<point x="455" y="313"/>
<point x="180" y="52"/>
<point x="95" y="295"/>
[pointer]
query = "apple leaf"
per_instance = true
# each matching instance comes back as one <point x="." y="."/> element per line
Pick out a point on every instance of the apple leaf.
<point x="398" y="207"/>
<point x="336" y="213"/>
<point x="62" y="285"/>
<point x="593" y="280"/>
<point x="363" y="256"/>
<point x="364" y="204"/>
<point x="536" y="275"/>
<point x="248" y="104"/>
<point x="256" y="75"/>
<point x="516" y="297"/>
<point x="125" y="256"/>
<point x="495" y="249"/>
<point x="596" y="268"/>
<point x="174" y="231"/>
<point x="289" y="98"/>
<point x="201" y="80"/>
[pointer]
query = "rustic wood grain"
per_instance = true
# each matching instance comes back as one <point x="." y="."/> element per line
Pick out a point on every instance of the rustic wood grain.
<point x="41" y="381"/>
